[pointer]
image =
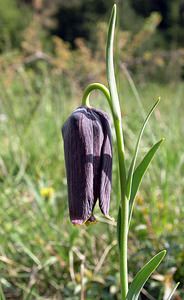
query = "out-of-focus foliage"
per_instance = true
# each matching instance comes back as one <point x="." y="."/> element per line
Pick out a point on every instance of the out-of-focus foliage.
<point x="70" y="37"/>
<point x="13" y="19"/>
<point x="172" y="13"/>
<point x="79" y="18"/>
<point x="42" y="256"/>
<point x="83" y="64"/>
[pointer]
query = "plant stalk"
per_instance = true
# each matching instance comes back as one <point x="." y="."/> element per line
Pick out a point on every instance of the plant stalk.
<point x="95" y="86"/>
<point x="122" y="223"/>
<point x="124" y="204"/>
<point x="122" y="173"/>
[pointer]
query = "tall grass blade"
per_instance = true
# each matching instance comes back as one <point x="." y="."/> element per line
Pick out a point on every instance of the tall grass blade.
<point x="2" y="296"/>
<point x="30" y="254"/>
<point x="139" y="173"/>
<point x="173" y="291"/>
<point x="132" y="166"/>
<point x="143" y="275"/>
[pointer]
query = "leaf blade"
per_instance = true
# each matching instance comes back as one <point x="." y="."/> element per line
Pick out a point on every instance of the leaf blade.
<point x="142" y="276"/>
<point x="110" y="65"/>
<point x="139" y="173"/>
<point x="132" y="166"/>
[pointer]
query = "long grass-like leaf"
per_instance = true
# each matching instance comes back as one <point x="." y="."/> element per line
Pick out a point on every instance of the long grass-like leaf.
<point x="173" y="291"/>
<point x="2" y="296"/>
<point x="132" y="166"/>
<point x="143" y="275"/>
<point x="110" y="65"/>
<point x="139" y="173"/>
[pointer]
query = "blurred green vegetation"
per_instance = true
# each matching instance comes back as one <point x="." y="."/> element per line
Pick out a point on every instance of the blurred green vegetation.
<point x="49" y="51"/>
<point x="78" y="18"/>
<point x="150" y="38"/>
<point x="13" y="20"/>
<point x="42" y="255"/>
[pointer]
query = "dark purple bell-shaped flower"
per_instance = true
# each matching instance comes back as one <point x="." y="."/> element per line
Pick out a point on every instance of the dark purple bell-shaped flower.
<point x="88" y="160"/>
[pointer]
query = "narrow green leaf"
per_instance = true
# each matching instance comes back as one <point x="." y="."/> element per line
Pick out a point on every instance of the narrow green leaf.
<point x="110" y="65"/>
<point x="132" y="166"/>
<point x="2" y="296"/>
<point x="30" y="254"/>
<point x="173" y="291"/>
<point x="143" y="275"/>
<point x="139" y="173"/>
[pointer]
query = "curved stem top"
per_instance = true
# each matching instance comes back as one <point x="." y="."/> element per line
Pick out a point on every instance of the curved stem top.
<point x="96" y="86"/>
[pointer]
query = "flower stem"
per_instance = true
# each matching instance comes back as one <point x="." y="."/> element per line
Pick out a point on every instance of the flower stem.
<point x="124" y="204"/>
<point x="122" y="224"/>
<point x="95" y="86"/>
<point x="122" y="172"/>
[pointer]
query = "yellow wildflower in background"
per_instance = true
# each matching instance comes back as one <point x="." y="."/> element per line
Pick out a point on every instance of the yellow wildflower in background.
<point x="47" y="192"/>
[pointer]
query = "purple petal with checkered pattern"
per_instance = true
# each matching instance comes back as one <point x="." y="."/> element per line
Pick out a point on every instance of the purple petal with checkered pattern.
<point x="88" y="160"/>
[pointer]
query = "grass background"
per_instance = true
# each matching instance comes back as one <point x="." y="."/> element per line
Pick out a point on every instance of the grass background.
<point x="42" y="256"/>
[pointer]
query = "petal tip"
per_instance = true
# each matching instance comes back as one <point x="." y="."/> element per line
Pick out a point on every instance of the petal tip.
<point x="77" y="222"/>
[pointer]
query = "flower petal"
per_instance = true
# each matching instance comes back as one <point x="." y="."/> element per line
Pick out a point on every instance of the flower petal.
<point x="88" y="159"/>
<point x="106" y="164"/>
<point x="83" y="139"/>
<point x="78" y="145"/>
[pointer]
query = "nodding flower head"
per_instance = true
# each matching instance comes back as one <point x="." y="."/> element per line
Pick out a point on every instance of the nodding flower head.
<point x="88" y="160"/>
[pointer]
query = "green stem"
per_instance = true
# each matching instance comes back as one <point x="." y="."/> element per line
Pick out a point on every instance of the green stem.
<point x="123" y="228"/>
<point x="96" y="86"/>
<point x="122" y="172"/>
<point x="123" y="237"/>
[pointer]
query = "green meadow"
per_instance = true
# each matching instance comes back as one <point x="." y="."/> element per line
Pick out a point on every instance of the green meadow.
<point x="42" y="255"/>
